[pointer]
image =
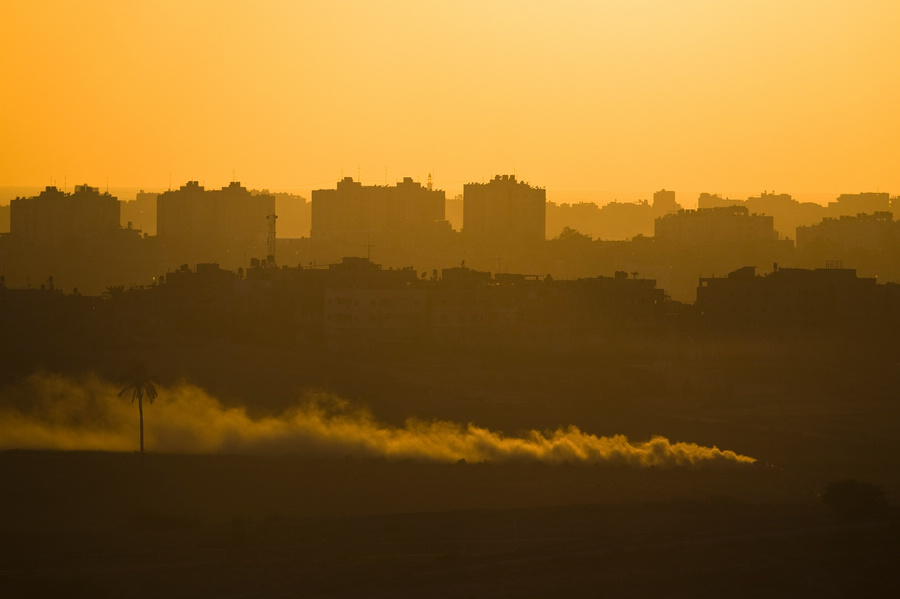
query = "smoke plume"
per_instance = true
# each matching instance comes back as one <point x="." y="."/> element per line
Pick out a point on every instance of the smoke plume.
<point x="47" y="411"/>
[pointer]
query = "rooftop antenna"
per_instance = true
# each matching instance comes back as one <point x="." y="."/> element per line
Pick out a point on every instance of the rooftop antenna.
<point x="369" y="247"/>
<point x="233" y="176"/>
<point x="107" y="185"/>
<point x="430" y="182"/>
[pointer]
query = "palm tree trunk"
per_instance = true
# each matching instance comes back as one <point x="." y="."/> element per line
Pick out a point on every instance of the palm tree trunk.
<point x="141" y="413"/>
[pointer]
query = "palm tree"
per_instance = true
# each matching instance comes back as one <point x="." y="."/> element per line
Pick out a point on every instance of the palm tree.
<point x="114" y="292"/>
<point x="140" y="383"/>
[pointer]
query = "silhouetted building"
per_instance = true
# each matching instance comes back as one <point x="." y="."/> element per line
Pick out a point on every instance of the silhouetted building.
<point x="583" y="217"/>
<point x="227" y="226"/>
<point x="613" y="221"/>
<point x="294" y="214"/>
<point x="815" y="302"/>
<point x="75" y="239"/>
<point x="57" y="219"/>
<point x="504" y="213"/>
<point x="453" y="209"/>
<point x="851" y="204"/>
<point x="469" y="308"/>
<point x="140" y="213"/>
<point x="624" y="220"/>
<point x="869" y="243"/>
<point x="706" y="201"/>
<point x="787" y="213"/>
<point x="366" y="304"/>
<point x="664" y="201"/>
<point x="357" y="215"/>
<point x="204" y="279"/>
<point x="732" y="225"/>
<point x="839" y="235"/>
<point x="709" y="241"/>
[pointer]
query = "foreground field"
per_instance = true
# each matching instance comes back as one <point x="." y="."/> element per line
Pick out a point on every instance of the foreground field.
<point x="109" y="525"/>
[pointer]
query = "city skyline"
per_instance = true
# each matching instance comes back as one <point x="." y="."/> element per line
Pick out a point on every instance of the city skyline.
<point x="427" y="299"/>
<point x="687" y="198"/>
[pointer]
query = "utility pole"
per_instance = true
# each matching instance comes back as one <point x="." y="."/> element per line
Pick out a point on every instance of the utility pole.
<point x="270" y="240"/>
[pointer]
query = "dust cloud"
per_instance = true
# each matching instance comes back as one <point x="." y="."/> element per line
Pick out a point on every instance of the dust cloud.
<point x="50" y="411"/>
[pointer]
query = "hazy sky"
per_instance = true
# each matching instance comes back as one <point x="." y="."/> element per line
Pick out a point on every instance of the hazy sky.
<point x="576" y="96"/>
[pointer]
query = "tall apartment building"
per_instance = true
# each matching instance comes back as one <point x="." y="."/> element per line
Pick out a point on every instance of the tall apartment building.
<point x="56" y="219"/>
<point x="228" y="226"/>
<point x="664" y="201"/>
<point x="504" y="213"/>
<point x="360" y="214"/>
<point x="729" y="224"/>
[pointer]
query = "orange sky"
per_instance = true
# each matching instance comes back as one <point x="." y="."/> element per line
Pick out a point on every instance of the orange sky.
<point x="582" y="97"/>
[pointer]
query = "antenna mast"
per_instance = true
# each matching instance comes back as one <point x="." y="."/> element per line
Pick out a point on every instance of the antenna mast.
<point x="270" y="240"/>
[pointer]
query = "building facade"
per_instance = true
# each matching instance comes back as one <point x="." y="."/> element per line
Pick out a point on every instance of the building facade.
<point x="229" y="226"/>
<point x="57" y="219"/>
<point x="358" y="214"/>
<point x="504" y="213"/>
<point x="729" y="224"/>
<point x="820" y="301"/>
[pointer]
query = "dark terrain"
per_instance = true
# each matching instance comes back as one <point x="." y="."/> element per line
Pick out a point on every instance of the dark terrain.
<point x="110" y="525"/>
<point x="94" y="524"/>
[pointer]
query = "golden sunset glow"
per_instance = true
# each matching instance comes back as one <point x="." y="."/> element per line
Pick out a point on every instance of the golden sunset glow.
<point x="592" y="100"/>
<point x="469" y="298"/>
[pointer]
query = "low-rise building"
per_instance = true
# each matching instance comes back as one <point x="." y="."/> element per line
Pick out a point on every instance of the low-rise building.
<point x="792" y="300"/>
